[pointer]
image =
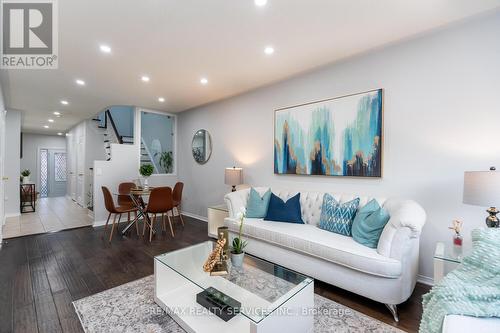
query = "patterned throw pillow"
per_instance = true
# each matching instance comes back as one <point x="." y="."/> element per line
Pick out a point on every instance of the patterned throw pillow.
<point x="337" y="217"/>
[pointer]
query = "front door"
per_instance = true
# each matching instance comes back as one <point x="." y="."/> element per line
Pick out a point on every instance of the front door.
<point x="52" y="172"/>
<point x="57" y="169"/>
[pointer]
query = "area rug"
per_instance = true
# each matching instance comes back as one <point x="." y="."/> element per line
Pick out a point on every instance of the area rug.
<point x="131" y="308"/>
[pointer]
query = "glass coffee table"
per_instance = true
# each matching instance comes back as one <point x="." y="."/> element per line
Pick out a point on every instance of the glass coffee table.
<point x="271" y="296"/>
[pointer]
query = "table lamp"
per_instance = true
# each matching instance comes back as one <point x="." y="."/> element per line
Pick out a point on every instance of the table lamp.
<point x="482" y="188"/>
<point x="233" y="176"/>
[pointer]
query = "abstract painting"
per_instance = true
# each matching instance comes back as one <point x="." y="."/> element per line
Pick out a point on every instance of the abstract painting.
<point x="335" y="137"/>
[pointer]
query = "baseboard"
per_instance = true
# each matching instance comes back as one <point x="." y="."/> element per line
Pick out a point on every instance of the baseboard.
<point x="425" y="280"/>
<point x="194" y="216"/>
<point x="98" y="223"/>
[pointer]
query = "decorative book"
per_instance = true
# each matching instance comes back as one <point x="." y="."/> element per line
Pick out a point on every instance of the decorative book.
<point x="218" y="303"/>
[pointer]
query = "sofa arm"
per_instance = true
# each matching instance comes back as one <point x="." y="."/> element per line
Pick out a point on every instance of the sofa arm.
<point x="406" y="222"/>
<point x="238" y="199"/>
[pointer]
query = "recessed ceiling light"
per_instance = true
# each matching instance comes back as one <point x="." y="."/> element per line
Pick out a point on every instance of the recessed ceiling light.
<point x="269" y="50"/>
<point x="59" y="133"/>
<point x="145" y="78"/>
<point x="260" y="3"/>
<point x="80" y="82"/>
<point x="46" y="126"/>
<point x="105" y="48"/>
<point x="63" y="102"/>
<point x="204" y="80"/>
<point x="51" y="120"/>
<point x="57" y="113"/>
<point x="161" y="99"/>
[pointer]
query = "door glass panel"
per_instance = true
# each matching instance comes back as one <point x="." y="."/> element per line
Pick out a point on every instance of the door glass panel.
<point x="60" y="167"/>
<point x="44" y="167"/>
<point x="158" y="142"/>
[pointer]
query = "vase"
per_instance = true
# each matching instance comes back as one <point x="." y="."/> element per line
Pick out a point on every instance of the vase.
<point x="26" y="179"/>
<point x="237" y="259"/>
<point x="146" y="185"/>
<point x="457" y="239"/>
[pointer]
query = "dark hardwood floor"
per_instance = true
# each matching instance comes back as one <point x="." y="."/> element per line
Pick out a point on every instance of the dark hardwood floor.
<point x="41" y="275"/>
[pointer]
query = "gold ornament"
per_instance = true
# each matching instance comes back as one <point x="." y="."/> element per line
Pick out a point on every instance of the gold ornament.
<point x="214" y="256"/>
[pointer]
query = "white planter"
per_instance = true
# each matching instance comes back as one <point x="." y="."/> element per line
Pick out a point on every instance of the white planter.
<point x="237" y="259"/>
<point x="146" y="185"/>
<point x="26" y="180"/>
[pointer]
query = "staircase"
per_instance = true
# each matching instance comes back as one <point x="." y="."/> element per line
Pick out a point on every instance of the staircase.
<point x="107" y="127"/>
<point x="147" y="157"/>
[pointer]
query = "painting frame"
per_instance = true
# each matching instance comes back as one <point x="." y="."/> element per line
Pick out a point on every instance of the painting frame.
<point x="381" y="137"/>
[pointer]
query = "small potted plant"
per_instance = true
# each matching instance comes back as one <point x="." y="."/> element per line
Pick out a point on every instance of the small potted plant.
<point x="146" y="170"/>
<point x="238" y="246"/>
<point x="26" y="176"/>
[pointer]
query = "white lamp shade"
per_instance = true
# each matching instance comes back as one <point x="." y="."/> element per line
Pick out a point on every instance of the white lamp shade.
<point x="233" y="176"/>
<point x="482" y="188"/>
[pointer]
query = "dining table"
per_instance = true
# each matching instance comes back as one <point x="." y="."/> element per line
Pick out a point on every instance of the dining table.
<point x="137" y="196"/>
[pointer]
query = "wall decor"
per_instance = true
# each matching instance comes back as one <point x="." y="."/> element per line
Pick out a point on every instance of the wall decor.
<point x="201" y="146"/>
<point x="334" y="137"/>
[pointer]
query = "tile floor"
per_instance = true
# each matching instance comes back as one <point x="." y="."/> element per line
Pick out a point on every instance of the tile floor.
<point x="52" y="214"/>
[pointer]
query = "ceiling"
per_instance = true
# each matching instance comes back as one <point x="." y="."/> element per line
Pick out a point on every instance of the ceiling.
<point x="176" y="43"/>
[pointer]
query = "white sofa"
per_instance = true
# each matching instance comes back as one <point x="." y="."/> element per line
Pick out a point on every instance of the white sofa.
<point x="386" y="274"/>
<point x="466" y="324"/>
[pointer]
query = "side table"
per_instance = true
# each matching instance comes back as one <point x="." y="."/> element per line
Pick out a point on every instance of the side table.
<point x="447" y="257"/>
<point x="28" y="197"/>
<point x="216" y="216"/>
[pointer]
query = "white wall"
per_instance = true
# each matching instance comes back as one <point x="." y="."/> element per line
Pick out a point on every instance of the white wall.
<point x="123" y="167"/>
<point x="31" y="144"/>
<point x="12" y="161"/>
<point x="442" y="116"/>
<point x="94" y="151"/>
<point x="2" y="163"/>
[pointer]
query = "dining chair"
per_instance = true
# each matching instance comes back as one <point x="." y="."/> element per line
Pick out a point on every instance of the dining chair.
<point x="160" y="202"/>
<point x="125" y="200"/>
<point x="114" y="210"/>
<point x="177" y="197"/>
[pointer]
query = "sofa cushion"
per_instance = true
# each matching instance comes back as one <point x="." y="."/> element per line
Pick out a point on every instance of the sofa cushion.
<point x="337" y="217"/>
<point x="257" y="205"/>
<point x="311" y="240"/>
<point x="368" y="224"/>
<point x="281" y="211"/>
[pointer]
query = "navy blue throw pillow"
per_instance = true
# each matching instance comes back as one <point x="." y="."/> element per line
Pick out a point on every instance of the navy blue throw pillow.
<point x="284" y="211"/>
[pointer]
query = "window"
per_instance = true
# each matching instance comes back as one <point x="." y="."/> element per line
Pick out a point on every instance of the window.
<point x="158" y="141"/>
<point x="60" y="167"/>
<point x="44" y="172"/>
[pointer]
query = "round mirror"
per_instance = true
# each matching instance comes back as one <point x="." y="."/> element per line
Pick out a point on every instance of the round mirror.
<point x="201" y="146"/>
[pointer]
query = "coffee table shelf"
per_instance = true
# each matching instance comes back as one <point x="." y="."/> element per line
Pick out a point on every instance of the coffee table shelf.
<point x="272" y="296"/>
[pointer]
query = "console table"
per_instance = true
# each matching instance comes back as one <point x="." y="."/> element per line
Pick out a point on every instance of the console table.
<point x="28" y="197"/>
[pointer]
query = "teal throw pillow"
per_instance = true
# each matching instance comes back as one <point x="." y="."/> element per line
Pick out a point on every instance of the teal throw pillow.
<point x="257" y="205"/>
<point x="337" y="217"/>
<point x="369" y="224"/>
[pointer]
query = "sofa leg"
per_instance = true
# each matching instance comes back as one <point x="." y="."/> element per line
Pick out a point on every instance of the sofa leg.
<point x="394" y="311"/>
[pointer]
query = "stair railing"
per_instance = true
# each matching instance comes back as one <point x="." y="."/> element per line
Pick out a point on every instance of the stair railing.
<point x="115" y="130"/>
